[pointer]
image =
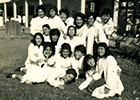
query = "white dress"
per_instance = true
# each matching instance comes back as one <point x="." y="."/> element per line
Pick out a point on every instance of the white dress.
<point x="108" y="28"/>
<point x="40" y="73"/>
<point x="56" y="22"/>
<point x="34" y="53"/>
<point x="112" y="79"/>
<point x="37" y="23"/>
<point x="66" y="63"/>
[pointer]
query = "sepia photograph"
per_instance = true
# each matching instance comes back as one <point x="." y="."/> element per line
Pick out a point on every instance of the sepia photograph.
<point x="70" y="49"/>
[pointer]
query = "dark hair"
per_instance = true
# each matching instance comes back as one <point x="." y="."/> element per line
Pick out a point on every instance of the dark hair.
<point x="106" y="11"/>
<point x="86" y="58"/>
<point x="34" y="37"/>
<point x="65" y="46"/>
<point x="49" y="44"/>
<point x="91" y="14"/>
<point x="54" y="8"/>
<point x="40" y="7"/>
<point x="46" y="25"/>
<point x="73" y="72"/>
<point x="79" y="15"/>
<point x="52" y="32"/>
<point x="107" y="52"/>
<point x="69" y="28"/>
<point x="80" y="48"/>
<point x="66" y="11"/>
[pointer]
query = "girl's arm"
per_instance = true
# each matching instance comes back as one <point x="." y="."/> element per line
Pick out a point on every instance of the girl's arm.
<point x="32" y="56"/>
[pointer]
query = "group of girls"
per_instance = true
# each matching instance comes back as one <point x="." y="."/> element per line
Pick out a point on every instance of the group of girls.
<point x="82" y="45"/>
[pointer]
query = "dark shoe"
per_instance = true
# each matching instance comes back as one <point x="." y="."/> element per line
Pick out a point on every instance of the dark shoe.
<point x="9" y="76"/>
<point x="85" y="91"/>
<point x="18" y="69"/>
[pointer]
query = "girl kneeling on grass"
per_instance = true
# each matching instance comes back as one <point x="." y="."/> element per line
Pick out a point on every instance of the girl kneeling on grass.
<point x="39" y="73"/>
<point x="35" y="55"/>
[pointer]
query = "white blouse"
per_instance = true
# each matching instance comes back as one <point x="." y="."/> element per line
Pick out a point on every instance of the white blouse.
<point x="56" y="22"/>
<point x="34" y="53"/>
<point x="37" y="23"/>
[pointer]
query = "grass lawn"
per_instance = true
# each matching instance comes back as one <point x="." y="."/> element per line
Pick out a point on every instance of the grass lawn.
<point x="13" y="53"/>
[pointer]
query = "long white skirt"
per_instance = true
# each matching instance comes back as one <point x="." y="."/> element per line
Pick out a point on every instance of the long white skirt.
<point x="37" y="74"/>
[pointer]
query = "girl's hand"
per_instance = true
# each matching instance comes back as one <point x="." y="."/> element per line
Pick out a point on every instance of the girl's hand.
<point x="61" y="87"/>
<point x="39" y="60"/>
<point x="65" y="36"/>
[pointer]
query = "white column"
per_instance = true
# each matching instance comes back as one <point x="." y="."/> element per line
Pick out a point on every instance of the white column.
<point x="115" y="15"/>
<point x="26" y="13"/>
<point x="58" y="4"/>
<point x="40" y="2"/>
<point x="15" y="9"/>
<point x="83" y="3"/>
<point x="5" y="12"/>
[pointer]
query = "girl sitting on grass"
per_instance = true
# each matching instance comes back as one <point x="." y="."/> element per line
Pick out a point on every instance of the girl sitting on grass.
<point x="107" y="82"/>
<point x="39" y="73"/>
<point x="89" y="70"/>
<point x="64" y="60"/>
<point x="35" y="55"/>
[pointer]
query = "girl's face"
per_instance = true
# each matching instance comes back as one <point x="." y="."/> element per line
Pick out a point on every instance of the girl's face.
<point x="48" y="52"/>
<point x="91" y="62"/>
<point x="90" y="20"/>
<point x="71" y="31"/>
<point x="68" y="77"/>
<point x="105" y="18"/>
<point x="101" y="51"/>
<point x="79" y="21"/>
<point x="63" y="16"/>
<point x="52" y="13"/>
<point x="40" y="13"/>
<point x="55" y="38"/>
<point x="38" y="40"/>
<point x="65" y="53"/>
<point x="46" y="31"/>
<point x="78" y="55"/>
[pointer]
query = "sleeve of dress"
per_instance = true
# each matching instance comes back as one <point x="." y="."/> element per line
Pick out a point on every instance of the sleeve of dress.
<point x="53" y="78"/>
<point x="74" y="65"/>
<point x="101" y="35"/>
<point x="90" y="42"/>
<point x="111" y="78"/>
<point x="85" y="83"/>
<point x="31" y="55"/>
<point x="62" y="25"/>
<point x="33" y="26"/>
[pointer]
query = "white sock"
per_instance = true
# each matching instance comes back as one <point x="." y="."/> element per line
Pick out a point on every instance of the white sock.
<point x="21" y="69"/>
<point x="14" y="76"/>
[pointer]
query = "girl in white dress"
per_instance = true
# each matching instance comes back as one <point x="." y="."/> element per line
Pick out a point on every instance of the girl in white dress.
<point x="35" y="52"/>
<point x="46" y="30"/>
<point x="55" y="21"/>
<point x="37" y="22"/>
<point x="107" y="81"/>
<point x="72" y="39"/>
<point x="39" y="73"/>
<point x="111" y="72"/>
<point x="64" y="15"/>
<point x="79" y="21"/>
<point x="89" y="70"/>
<point x="64" y="60"/>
